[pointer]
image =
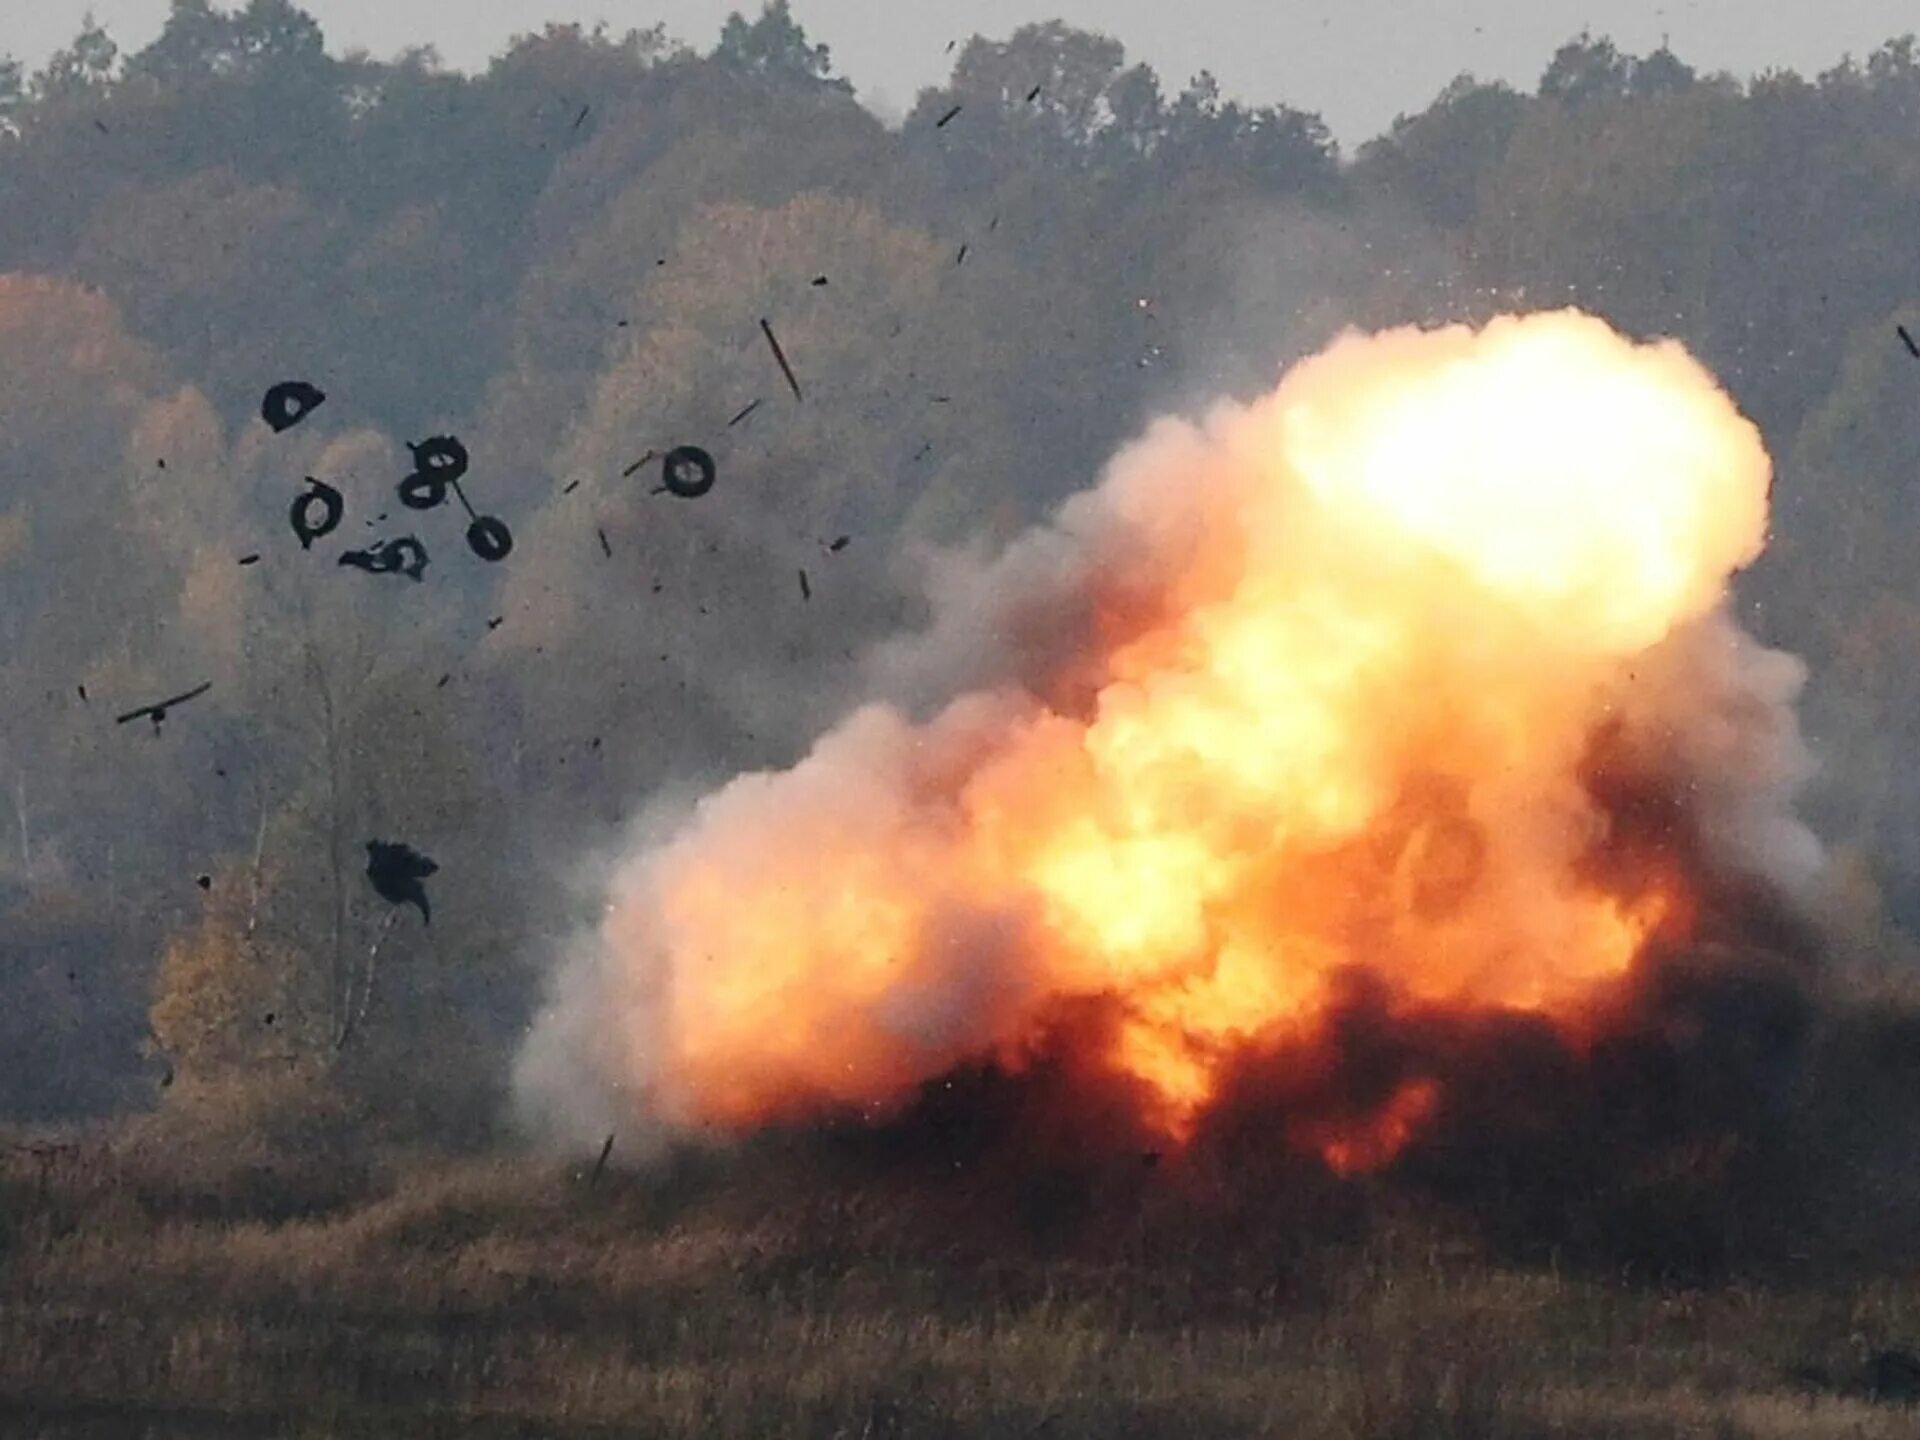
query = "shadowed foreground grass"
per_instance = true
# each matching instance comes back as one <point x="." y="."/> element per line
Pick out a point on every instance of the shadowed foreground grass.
<point x="147" y="1293"/>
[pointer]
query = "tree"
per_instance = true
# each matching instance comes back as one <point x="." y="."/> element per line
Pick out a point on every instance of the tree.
<point x="1584" y="70"/>
<point x="1661" y="73"/>
<point x="1838" y="583"/>
<point x="13" y="93"/>
<point x="1138" y="114"/>
<point x="269" y="38"/>
<point x="1048" y="82"/>
<point x="1440" y="157"/>
<point x="84" y="70"/>
<point x="775" y="47"/>
<point x="230" y="999"/>
<point x="1276" y="148"/>
<point x="233" y="277"/>
<point x="189" y="46"/>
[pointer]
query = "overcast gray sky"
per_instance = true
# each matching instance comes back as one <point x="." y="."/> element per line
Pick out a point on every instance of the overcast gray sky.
<point x="1357" y="62"/>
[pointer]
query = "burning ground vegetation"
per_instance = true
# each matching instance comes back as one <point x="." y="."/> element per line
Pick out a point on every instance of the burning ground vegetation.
<point x="1313" y="940"/>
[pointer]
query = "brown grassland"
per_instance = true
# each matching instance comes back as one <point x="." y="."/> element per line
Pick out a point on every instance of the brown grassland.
<point x="161" y="1283"/>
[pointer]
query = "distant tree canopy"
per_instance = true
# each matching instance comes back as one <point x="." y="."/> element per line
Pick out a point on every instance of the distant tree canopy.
<point x="774" y="47"/>
<point x="565" y="259"/>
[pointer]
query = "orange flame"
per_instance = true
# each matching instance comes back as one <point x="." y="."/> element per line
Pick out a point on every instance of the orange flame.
<point x="1355" y="1147"/>
<point x="1350" y="645"/>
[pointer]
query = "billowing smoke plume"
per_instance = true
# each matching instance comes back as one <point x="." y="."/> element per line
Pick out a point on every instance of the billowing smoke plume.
<point x="1408" y="696"/>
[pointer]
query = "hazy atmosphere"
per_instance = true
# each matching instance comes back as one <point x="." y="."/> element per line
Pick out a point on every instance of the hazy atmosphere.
<point x="849" y="720"/>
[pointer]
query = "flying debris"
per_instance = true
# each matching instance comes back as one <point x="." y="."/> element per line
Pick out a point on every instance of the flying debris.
<point x="806" y="588"/>
<point x="402" y="556"/>
<point x="781" y="356"/>
<point x="634" y="468"/>
<point x="604" y="546"/>
<point x="288" y="403"/>
<point x="687" y="471"/>
<point x="840" y="544"/>
<point x="332" y="506"/>
<point x="250" y="559"/>
<point x="438" y="462"/>
<point x="941" y="123"/>
<point x="489" y="538"/>
<point x="1908" y="341"/>
<point x="397" y="870"/>
<point x="743" y="414"/>
<point x="601" y="1164"/>
<point x="961" y="258"/>
<point x="158" y="710"/>
<point x="1033" y="94"/>
<point x="819" y="281"/>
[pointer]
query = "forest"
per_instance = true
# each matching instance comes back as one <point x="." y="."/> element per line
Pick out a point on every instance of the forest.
<point x="578" y="260"/>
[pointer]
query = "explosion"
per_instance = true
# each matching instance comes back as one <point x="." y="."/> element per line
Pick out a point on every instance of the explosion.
<point x="1413" y="679"/>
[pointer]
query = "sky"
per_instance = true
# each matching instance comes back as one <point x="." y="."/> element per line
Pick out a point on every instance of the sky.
<point x="1357" y="62"/>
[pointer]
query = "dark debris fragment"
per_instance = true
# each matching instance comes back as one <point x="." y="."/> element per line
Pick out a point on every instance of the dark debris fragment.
<point x="781" y="356"/>
<point x="285" y="405"/>
<point x="489" y="538"/>
<point x="332" y="506"/>
<point x="403" y="555"/>
<point x="687" y="471"/>
<point x="438" y="462"/>
<point x="396" y="871"/>
<point x="158" y="710"/>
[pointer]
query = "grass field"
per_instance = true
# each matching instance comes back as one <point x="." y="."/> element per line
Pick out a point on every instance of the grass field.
<point x="149" y="1291"/>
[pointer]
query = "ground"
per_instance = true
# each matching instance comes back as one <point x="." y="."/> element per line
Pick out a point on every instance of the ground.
<point x="149" y="1292"/>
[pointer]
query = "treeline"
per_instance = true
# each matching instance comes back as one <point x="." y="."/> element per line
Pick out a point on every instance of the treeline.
<point x="565" y="261"/>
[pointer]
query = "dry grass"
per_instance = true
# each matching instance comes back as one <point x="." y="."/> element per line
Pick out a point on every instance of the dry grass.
<point x="149" y="1291"/>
